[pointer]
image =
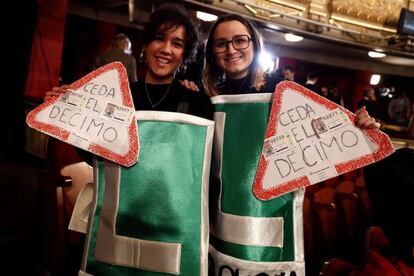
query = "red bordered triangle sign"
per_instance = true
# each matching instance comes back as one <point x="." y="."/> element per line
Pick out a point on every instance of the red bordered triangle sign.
<point x="96" y="114"/>
<point x="310" y="139"/>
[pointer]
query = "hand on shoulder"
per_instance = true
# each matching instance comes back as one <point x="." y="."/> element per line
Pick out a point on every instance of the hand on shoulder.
<point x="190" y="85"/>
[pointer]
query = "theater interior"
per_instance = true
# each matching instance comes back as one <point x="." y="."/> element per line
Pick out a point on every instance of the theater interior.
<point x="351" y="44"/>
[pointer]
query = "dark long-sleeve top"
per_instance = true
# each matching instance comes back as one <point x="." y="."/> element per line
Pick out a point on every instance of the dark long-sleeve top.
<point x="243" y="85"/>
<point x="173" y="97"/>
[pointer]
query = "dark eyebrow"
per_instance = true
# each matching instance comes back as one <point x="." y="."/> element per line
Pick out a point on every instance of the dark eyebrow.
<point x="179" y="39"/>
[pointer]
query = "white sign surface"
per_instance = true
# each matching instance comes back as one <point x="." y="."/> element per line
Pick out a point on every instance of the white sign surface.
<point x="96" y="114"/>
<point x="310" y="139"/>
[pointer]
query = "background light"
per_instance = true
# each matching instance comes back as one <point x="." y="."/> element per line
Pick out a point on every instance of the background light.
<point x="267" y="61"/>
<point x="206" y="16"/>
<point x="375" y="79"/>
<point x="293" y="38"/>
<point x="374" y="54"/>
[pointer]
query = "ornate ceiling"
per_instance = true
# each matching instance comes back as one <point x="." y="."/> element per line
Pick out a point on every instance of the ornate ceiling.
<point x="370" y="23"/>
<point x="382" y="12"/>
<point x="337" y="32"/>
<point x="374" y="14"/>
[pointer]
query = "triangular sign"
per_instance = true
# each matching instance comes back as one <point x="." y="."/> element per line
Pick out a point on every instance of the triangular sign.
<point x="310" y="139"/>
<point x="96" y="114"/>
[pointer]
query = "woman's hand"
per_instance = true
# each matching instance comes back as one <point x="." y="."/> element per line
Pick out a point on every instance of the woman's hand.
<point x="56" y="91"/>
<point x="364" y="121"/>
<point x="190" y="85"/>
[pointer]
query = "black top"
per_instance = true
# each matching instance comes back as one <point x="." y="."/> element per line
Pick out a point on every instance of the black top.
<point x="313" y="87"/>
<point x="371" y="107"/>
<point x="165" y="97"/>
<point x="160" y="97"/>
<point x="333" y="98"/>
<point x="173" y="98"/>
<point x="243" y="85"/>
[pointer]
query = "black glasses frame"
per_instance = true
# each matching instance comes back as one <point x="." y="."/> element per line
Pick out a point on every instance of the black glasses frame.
<point x="218" y="51"/>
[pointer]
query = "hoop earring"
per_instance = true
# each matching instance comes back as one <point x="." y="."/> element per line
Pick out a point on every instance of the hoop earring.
<point x="141" y="58"/>
<point x="181" y="68"/>
<point x="178" y="72"/>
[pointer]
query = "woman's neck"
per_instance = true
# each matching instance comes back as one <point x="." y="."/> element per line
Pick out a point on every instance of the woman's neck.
<point x="236" y="77"/>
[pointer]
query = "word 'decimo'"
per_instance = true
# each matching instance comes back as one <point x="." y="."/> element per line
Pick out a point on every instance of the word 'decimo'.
<point x="83" y="124"/>
<point x="311" y="154"/>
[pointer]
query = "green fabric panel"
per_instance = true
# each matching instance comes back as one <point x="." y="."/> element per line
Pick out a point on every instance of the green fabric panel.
<point x="160" y="196"/>
<point x="245" y="128"/>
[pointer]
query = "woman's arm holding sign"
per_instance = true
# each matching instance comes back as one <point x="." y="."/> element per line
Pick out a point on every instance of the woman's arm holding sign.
<point x="56" y="91"/>
<point x="364" y="121"/>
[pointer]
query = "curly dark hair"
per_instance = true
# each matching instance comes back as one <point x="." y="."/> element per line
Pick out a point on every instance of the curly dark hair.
<point x="169" y="17"/>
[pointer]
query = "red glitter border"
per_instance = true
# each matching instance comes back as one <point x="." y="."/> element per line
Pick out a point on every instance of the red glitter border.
<point x="385" y="147"/>
<point x="126" y="160"/>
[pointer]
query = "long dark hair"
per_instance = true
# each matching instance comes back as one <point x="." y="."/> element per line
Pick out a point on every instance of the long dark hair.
<point x="169" y="17"/>
<point x="214" y="75"/>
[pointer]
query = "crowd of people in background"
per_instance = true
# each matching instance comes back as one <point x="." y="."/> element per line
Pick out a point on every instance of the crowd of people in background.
<point x="395" y="109"/>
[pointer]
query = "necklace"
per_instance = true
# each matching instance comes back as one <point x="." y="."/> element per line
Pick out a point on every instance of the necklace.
<point x="162" y="98"/>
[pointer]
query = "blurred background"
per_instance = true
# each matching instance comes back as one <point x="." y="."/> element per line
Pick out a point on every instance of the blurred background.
<point x="351" y="45"/>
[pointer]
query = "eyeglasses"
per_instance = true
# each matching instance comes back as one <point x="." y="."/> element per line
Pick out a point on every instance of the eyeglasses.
<point x="239" y="42"/>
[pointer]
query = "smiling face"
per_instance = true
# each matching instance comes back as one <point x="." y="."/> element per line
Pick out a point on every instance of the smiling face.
<point x="234" y="63"/>
<point x="164" y="54"/>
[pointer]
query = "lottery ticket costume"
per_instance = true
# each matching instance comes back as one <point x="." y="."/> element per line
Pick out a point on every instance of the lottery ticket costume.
<point x="249" y="236"/>
<point x="152" y="218"/>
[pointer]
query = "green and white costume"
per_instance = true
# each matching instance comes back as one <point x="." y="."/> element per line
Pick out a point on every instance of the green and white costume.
<point x="152" y="218"/>
<point x="249" y="236"/>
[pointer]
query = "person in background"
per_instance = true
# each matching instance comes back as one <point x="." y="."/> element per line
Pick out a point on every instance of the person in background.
<point x="410" y="128"/>
<point x="120" y="50"/>
<point x="369" y="102"/>
<point x="337" y="94"/>
<point x="311" y="81"/>
<point x="324" y="91"/>
<point x="289" y="72"/>
<point x="279" y="74"/>
<point x="399" y="109"/>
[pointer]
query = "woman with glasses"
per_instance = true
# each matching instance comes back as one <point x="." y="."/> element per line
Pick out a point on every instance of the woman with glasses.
<point x="248" y="236"/>
<point x="232" y="58"/>
<point x="232" y="63"/>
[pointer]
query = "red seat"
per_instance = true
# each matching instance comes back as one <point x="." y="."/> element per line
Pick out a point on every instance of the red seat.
<point x="332" y="182"/>
<point x="324" y="221"/>
<point x="364" y="204"/>
<point x="350" y="176"/>
<point x="336" y="267"/>
<point x="307" y="226"/>
<point x="58" y="193"/>
<point x="350" y="233"/>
